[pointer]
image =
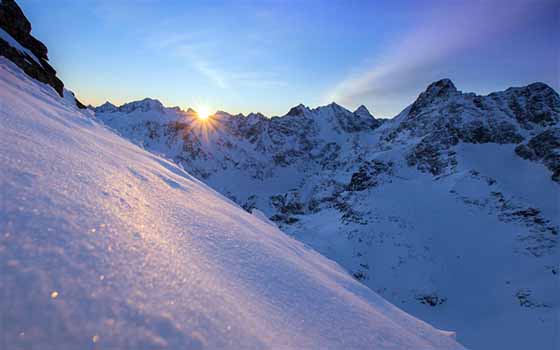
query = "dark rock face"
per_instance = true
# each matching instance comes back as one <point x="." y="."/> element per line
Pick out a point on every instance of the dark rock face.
<point x="431" y="299"/>
<point x="14" y="22"/>
<point x="298" y="110"/>
<point x="442" y="117"/>
<point x="431" y="157"/>
<point x="544" y="147"/>
<point x="534" y="104"/>
<point x="441" y="89"/>
<point x="369" y="175"/>
<point x="144" y="105"/>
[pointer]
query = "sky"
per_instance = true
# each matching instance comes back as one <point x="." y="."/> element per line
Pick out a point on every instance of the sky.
<point x="267" y="56"/>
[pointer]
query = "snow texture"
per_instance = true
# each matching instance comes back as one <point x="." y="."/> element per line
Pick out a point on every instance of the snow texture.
<point x="449" y="210"/>
<point x="106" y="246"/>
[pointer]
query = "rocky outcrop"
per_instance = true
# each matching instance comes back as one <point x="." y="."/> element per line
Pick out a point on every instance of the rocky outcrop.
<point x="33" y="61"/>
<point x="19" y="46"/>
<point x="442" y="117"/>
<point x="544" y="147"/>
<point x="369" y="175"/>
<point x="144" y="105"/>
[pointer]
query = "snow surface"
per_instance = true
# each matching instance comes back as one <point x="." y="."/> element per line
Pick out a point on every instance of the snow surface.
<point x="104" y="245"/>
<point x="458" y="237"/>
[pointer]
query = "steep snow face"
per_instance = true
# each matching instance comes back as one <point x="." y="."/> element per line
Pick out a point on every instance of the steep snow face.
<point x="449" y="210"/>
<point x="106" y="245"/>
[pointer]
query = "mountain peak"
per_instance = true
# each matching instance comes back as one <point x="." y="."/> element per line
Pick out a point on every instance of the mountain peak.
<point x="106" y="107"/>
<point x="441" y="87"/>
<point x="536" y="88"/>
<point x="362" y="111"/>
<point x="256" y="115"/>
<point x="334" y="105"/>
<point x="298" y="110"/>
<point x="145" y="105"/>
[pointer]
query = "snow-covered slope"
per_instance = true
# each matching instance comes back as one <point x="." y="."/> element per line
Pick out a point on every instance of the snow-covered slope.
<point x="449" y="210"/>
<point x="104" y="245"/>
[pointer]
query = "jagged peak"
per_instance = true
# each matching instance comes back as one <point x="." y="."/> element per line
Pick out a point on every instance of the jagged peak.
<point x="223" y="113"/>
<point x="438" y="90"/>
<point x="144" y="105"/>
<point x="441" y="87"/>
<point x="334" y="105"/>
<point x="361" y="108"/>
<point x="106" y="107"/>
<point x="362" y="111"/>
<point x="298" y="110"/>
<point x="534" y="88"/>
<point x="108" y="104"/>
<point x="256" y="115"/>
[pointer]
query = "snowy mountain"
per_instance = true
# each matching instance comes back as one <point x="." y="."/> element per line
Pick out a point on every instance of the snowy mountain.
<point x="105" y="245"/>
<point x="449" y="210"/>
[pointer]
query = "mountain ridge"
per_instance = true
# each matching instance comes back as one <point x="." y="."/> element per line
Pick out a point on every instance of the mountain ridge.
<point x="362" y="192"/>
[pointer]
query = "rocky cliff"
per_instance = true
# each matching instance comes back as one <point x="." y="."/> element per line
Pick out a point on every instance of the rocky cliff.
<point x="19" y="46"/>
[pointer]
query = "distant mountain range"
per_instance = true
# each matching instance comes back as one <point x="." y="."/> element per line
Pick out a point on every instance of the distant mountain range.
<point x="104" y="245"/>
<point x="449" y="210"/>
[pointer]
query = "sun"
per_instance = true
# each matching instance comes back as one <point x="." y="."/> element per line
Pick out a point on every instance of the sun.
<point x="203" y="112"/>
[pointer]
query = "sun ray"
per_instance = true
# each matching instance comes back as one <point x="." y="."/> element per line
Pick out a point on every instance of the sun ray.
<point x="203" y="112"/>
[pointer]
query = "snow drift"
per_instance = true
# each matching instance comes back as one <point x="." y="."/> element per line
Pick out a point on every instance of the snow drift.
<point x="104" y="245"/>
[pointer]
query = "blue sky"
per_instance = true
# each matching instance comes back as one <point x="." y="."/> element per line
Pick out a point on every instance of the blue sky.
<point x="267" y="56"/>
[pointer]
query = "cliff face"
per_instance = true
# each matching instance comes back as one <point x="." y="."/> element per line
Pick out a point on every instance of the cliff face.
<point x="19" y="46"/>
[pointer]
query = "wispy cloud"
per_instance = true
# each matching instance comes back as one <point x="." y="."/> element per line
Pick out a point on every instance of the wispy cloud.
<point x="212" y="73"/>
<point x="441" y="34"/>
<point x="207" y="58"/>
<point x="183" y="45"/>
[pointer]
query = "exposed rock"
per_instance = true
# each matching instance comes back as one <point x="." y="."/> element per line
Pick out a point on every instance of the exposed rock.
<point x="107" y="107"/>
<point x="441" y="89"/>
<point x="368" y="175"/>
<point x="144" y="105"/>
<point x="534" y="104"/>
<point x="19" y="46"/>
<point x="298" y="110"/>
<point x="431" y="299"/>
<point x="524" y="296"/>
<point x="14" y="22"/>
<point x="442" y="117"/>
<point x="544" y="147"/>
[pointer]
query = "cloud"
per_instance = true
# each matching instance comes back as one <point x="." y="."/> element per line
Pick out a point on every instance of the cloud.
<point x="441" y="34"/>
<point x="204" y="67"/>
<point x="199" y="54"/>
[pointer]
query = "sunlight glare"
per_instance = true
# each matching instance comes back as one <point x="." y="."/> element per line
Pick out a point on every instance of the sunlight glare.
<point x="203" y="112"/>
